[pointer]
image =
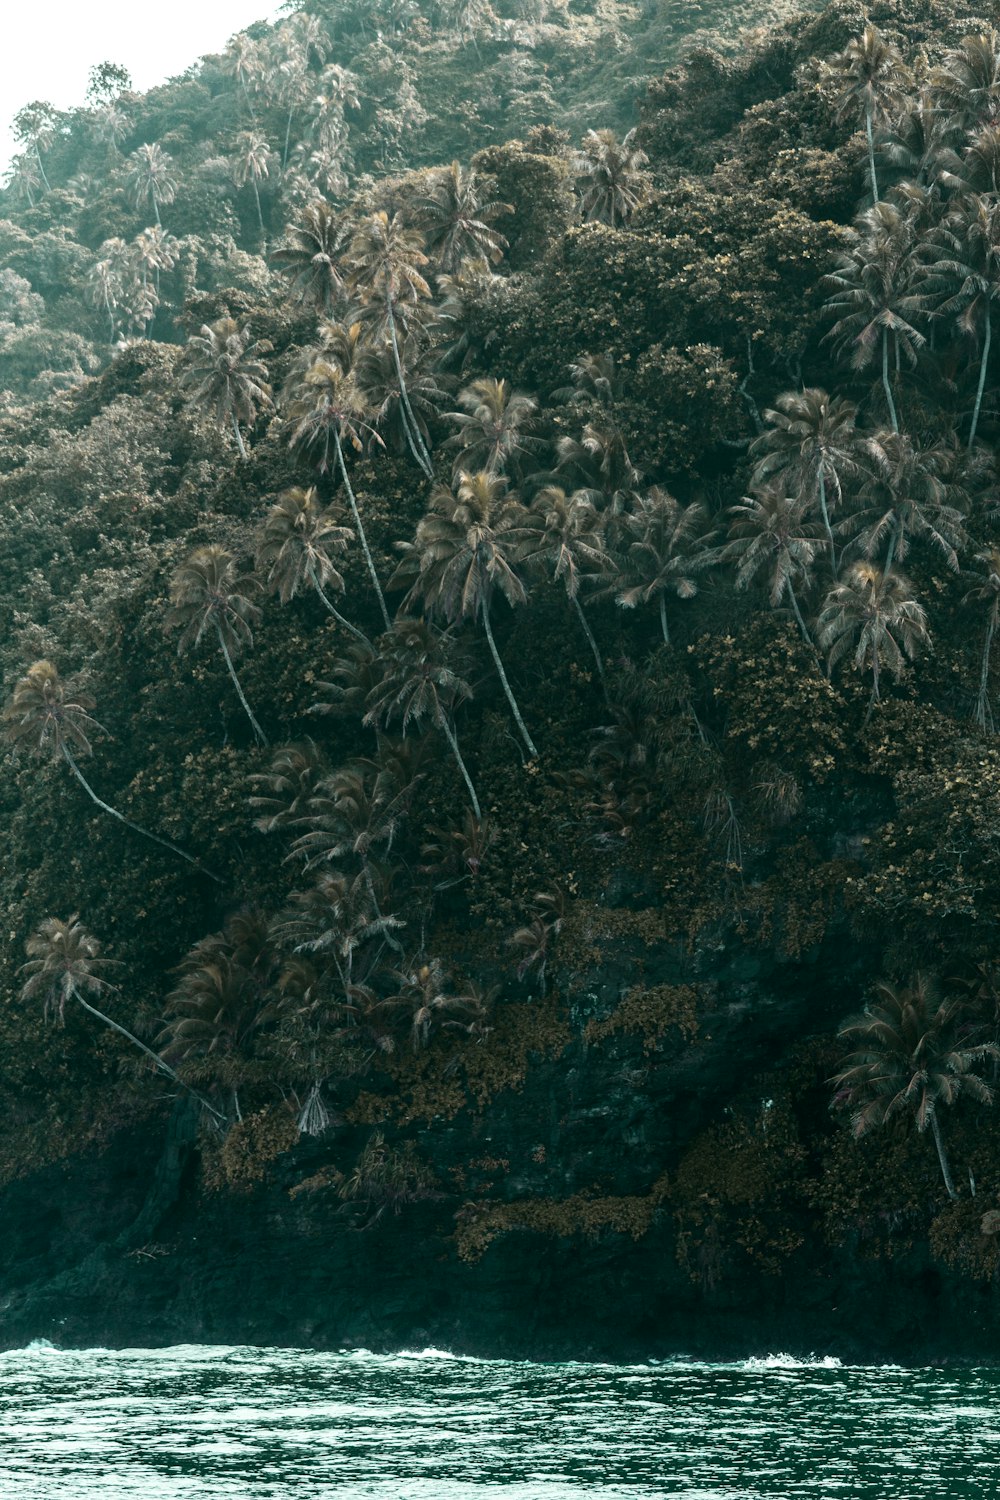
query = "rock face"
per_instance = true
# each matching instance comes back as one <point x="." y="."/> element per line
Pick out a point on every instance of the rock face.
<point x="129" y="1247"/>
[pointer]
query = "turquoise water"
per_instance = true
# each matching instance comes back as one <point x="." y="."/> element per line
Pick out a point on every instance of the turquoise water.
<point x="254" y="1423"/>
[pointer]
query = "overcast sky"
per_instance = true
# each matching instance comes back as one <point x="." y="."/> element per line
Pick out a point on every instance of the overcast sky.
<point x="49" y="46"/>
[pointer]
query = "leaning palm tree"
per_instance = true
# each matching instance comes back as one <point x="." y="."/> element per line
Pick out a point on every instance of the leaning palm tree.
<point x="811" y="439"/>
<point x="870" y="80"/>
<point x="48" y="717"/>
<point x="987" y="593"/>
<point x="463" y="554"/>
<point x="208" y="596"/>
<point x="418" y="682"/>
<point x="562" y="537"/>
<point x="243" y="60"/>
<point x="611" y="177"/>
<point x="494" y="427"/>
<point x="225" y="375"/>
<point x="386" y="260"/>
<point x="297" y="545"/>
<point x="456" y="212"/>
<point x="770" y="533"/>
<point x="312" y="257"/>
<point x="911" y="1057"/>
<point x="64" y="964"/>
<point x="669" y="543"/>
<point x="151" y="177"/>
<point x="875" y="616"/>
<point x="963" y="277"/>
<point x="327" y="410"/>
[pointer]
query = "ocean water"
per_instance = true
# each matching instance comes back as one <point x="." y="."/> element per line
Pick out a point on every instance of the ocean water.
<point x="205" y="1421"/>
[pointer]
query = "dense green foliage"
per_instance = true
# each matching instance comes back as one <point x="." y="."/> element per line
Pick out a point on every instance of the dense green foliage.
<point x="432" y="536"/>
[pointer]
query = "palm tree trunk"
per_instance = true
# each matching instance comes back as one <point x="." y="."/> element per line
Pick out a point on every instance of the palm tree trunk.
<point x="261" y="736"/>
<point x="983" y="716"/>
<point x="942" y="1157"/>
<point x="288" y="138"/>
<point x="260" y="215"/>
<point x="871" y="154"/>
<point x="38" y="158"/>
<point x="397" y="947"/>
<point x="824" y="512"/>
<point x="135" y="827"/>
<point x="798" y="615"/>
<point x="246" y="95"/>
<point x="893" y="545"/>
<point x="663" y="618"/>
<point x="982" y="374"/>
<point x="506" y="685"/>
<point x="885" y="381"/>
<point x="163" y="1066"/>
<point x="875" y="693"/>
<point x="452" y="739"/>
<point x="361" y="530"/>
<point x="593" y="645"/>
<point x="425" y="460"/>
<point x="156" y="206"/>
<point x="239" y="439"/>
<point x="358" y="634"/>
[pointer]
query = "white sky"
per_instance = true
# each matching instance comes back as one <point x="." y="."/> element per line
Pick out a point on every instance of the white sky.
<point x="49" y="46"/>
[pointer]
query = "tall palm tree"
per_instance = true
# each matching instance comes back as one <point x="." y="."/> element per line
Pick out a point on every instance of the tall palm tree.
<point x="457" y="212"/>
<point x="208" y="596"/>
<point x="668" y="544"/>
<point x="911" y="1058"/>
<point x="151" y="177"/>
<point x="463" y="554"/>
<point x="64" y="964"/>
<point x="963" y="277"/>
<point x="812" y="441"/>
<point x="770" y="533"/>
<point x="562" y="537"/>
<point x="987" y="593"/>
<point x="870" y="80"/>
<point x="327" y="409"/>
<point x="375" y="375"/>
<point x="48" y="717"/>
<point x="244" y="60"/>
<point x="873" y="296"/>
<point x="874" y="615"/>
<point x="225" y="375"/>
<point x="916" y="144"/>
<point x="34" y="127"/>
<point x="297" y="545"/>
<point x="418" y="682"/>
<point x="610" y="177"/>
<point x="312" y="257"/>
<point x="250" y="164"/>
<point x="966" y="84"/>
<point x="386" y="259"/>
<point x="906" y="492"/>
<point x="494" y="427"/>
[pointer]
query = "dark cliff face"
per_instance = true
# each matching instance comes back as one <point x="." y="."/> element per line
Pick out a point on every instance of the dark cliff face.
<point x="561" y="1223"/>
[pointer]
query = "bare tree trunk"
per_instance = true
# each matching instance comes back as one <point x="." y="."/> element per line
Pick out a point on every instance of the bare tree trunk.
<point x="942" y="1157"/>
<point x="798" y="615"/>
<point x="585" y="623"/>
<point x="361" y="530"/>
<point x="984" y="715"/>
<point x="261" y="736"/>
<point x="425" y="459"/>
<point x="982" y="374"/>
<point x="506" y="685"/>
<point x="885" y="381"/>
<point x="663" y="618"/>
<point x="135" y="827"/>
<point x="239" y="439"/>
<point x="353" y="629"/>
<point x="871" y="154"/>
<point x="452" y="739"/>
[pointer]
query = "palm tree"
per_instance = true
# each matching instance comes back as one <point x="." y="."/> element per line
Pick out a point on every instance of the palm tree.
<point x="328" y="409"/>
<point x="813" y="444"/>
<point x="335" y="919"/>
<point x="911" y="1057"/>
<point x="610" y="177"/>
<point x="244" y="60"/>
<point x="424" y="1000"/>
<point x="966" y="84"/>
<point x="48" y="717"/>
<point x="297" y="545"/>
<point x="669" y="543"/>
<point x="386" y="260"/>
<point x="874" y="615"/>
<point x="287" y="787"/>
<point x="64" y="964"/>
<point x="225" y="375"/>
<point x="250" y="164"/>
<point x="463" y="553"/>
<point x="918" y="143"/>
<point x="456" y="213"/>
<point x="964" y="271"/>
<point x="376" y="379"/>
<point x="906" y="492"/>
<point x="563" y="536"/>
<point x="311" y="256"/>
<point x="207" y="595"/>
<point x="494" y="427"/>
<point x="417" y="682"/>
<point x="873" y="296"/>
<point x="770" y="532"/>
<point x="986" y="592"/>
<point x="34" y="127"/>
<point x="870" y="81"/>
<point x="151" y="176"/>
